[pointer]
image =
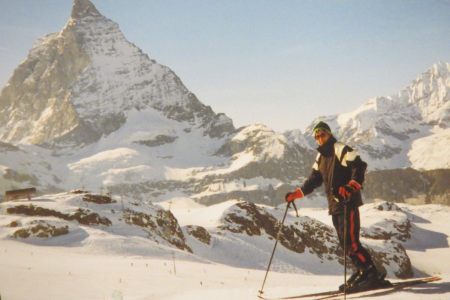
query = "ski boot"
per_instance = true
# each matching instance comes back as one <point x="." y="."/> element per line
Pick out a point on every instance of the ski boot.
<point x="349" y="281"/>
<point x="367" y="279"/>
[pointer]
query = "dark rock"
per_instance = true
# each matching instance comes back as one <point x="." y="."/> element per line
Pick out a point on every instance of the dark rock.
<point x="77" y="191"/>
<point x="82" y="216"/>
<point x="400" y="258"/>
<point x="99" y="199"/>
<point x="200" y="233"/>
<point x="158" y="141"/>
<point x="41" y="230"/>
<point x="14" y="224"/>
<point x="162" y="224"/>
<point x="247" y="218"/>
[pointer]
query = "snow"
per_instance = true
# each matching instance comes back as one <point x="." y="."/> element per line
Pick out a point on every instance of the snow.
<point x="431" y="152"/>
<point x="193" y="213"/>
<point x="114" y="60"/>
<point x="297" y="137"/>
<point x="129" y="266"/>
<point x="274" y="142"/>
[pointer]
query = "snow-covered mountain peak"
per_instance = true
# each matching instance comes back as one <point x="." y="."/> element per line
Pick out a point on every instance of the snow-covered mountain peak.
<point x="82" y="8"/>
<point x="389" y="130"/>
<point x="260" y="141"/>
<point x="80" y="84"/>
<point x="441" y="69"/>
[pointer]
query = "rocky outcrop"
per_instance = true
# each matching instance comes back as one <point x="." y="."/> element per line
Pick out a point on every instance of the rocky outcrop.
<point x="162" y="224"/>
<point x="304" y="234"/>
<point x="147" y="221"/>
<point x="200" y="233"/>
<point x="41" y="229"/>
<point x="392" y="254"/>
<point x="99" y="199"/>
<point x="397" y="231"/>
<point x="82" y="216"/>
<point x="387" y="206"/>
<point x="157" y="141"/>
<point x="245" y="217"/>
<point x="395" y="224"/>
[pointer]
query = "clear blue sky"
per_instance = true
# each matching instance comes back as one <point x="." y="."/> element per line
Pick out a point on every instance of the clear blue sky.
<point x="281" y="63"/>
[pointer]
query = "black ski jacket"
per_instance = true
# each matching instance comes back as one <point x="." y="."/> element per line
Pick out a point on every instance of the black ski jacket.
<point x="336" y="164"/>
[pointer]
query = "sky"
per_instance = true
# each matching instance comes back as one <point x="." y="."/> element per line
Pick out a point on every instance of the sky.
<point x="280" y="63"/>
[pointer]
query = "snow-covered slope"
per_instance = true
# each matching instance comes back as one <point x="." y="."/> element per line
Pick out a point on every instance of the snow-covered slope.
<point x="408" y="129"/>
<point x="60" y="237"/>
<point x="233" y="233"/>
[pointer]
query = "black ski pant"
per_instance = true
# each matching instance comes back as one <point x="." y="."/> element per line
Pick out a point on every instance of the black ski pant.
<point x="360" y="257"/>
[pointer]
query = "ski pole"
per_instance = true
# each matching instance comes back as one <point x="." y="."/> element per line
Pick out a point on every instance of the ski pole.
<point x="345" y="249"/>
<point x="274" y="247"/>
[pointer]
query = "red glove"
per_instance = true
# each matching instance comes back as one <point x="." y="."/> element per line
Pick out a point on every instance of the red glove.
<point x="294" y="195"/>
<point x="351" y="187"/>
<point x="354" y="185"/>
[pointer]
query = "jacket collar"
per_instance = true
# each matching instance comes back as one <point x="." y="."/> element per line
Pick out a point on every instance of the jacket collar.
<point x="327" y="149"/>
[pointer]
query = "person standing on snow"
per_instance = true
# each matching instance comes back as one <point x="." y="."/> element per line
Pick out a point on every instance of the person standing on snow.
<point x="341" y="169"/>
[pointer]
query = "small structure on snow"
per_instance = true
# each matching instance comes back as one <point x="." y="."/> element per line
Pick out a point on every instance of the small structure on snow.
<point x="20" y="194"/>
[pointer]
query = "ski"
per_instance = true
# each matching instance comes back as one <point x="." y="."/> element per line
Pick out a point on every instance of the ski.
<point x="373" y="292"/>
<point x="328" y="293"/>
<point x="397" y="286"/>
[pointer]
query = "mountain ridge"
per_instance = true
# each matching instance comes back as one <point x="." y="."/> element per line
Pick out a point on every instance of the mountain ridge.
<point x="394" y="131"/>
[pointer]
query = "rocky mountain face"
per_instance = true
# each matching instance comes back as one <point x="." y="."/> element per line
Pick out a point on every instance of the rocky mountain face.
<point x="79" y="84"/>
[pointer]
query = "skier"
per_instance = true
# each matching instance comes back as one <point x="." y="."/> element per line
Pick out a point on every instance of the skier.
<point x="341" y="169"/>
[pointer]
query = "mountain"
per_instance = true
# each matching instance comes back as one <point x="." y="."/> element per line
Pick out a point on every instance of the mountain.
<point x="81" y="83"/>
<point x="408" y="129"/>
<point x="88" y="109"/>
